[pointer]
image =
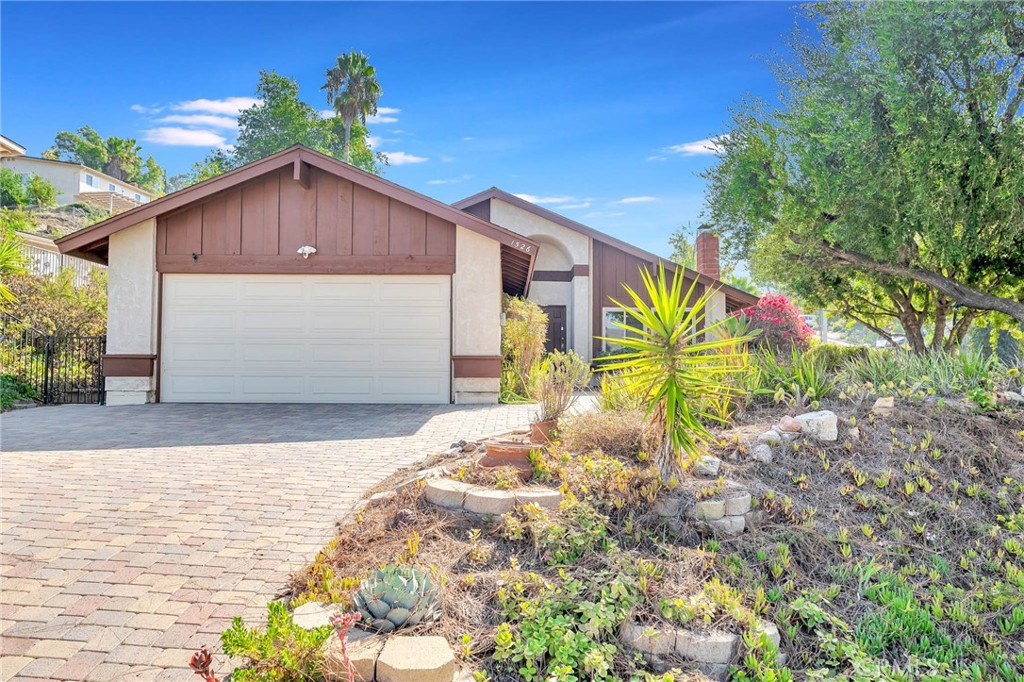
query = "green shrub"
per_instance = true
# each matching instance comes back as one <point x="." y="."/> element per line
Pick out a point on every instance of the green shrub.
<point x="13" y="390"/>
<point x="58" y="305"/>
<point x="522" y="346"/>
<point x="801" y="380"/>
<point x="283" y="652"/>
<point x="833" y="356"/>
<point x="12" y="189"/>
<point x="39" y="191"/>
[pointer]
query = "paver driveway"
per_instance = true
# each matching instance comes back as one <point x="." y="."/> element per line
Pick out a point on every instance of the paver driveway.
<point x="132" y="535"/>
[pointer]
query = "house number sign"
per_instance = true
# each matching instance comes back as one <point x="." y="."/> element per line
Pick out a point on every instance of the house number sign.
<point x="522" y="246"/>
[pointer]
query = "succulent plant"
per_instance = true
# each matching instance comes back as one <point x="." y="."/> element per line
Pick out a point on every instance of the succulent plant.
<point x="396" y="596"/>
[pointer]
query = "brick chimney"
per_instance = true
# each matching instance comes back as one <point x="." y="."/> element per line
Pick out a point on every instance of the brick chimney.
<point x="707" y="252"/>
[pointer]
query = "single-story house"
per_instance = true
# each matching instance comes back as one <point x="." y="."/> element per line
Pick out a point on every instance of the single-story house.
<point x="299" y="278"/>
<point x="580" y="270"/>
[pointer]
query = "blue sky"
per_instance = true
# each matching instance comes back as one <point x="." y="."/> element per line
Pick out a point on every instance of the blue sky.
<point x="596" y="109"/>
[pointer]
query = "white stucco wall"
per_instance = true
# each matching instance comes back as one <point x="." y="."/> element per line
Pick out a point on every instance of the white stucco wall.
<point x="716" y="310"/>
<point x="132" y="308"/>
<point x="476" y="310"/>
<point x="62" y="176"/>
<point x="530" y="225"/>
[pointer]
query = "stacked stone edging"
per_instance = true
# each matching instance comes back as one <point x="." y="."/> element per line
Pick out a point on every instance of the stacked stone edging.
<point x="456" y="495"/>
<point x="727" y="513"/>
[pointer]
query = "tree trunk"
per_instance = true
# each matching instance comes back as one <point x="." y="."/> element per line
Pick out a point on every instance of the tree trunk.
<point x="910" y="318"/>
<point x="959" y="293"/>
<point x="348" y="142"/>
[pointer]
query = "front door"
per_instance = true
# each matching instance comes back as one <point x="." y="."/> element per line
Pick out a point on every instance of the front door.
<point x="556" y="327"/>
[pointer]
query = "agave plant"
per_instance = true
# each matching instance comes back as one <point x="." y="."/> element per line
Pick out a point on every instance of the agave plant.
<point x="396" y="596"/>
<point x="677" y="363"/>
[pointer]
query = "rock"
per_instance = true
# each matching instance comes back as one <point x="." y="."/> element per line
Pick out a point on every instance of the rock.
<point x="734" y="456"/>
<point x="772" y="631"/>
<point x="789" y="425"/>
<point x="822" y="425"/>
<point x="544" y="497"/>
<point x="708" y="510"/>
<point x="363" y="650"/>
<point x="447" y="493"/>
<point x="314" y="614"/>
<point x="738" y="505"/>
<point x="1013" y="398"/>
<point x="716" y="647"/>
<point x="707" y="466"/>
<point x="761" y="452"/>
<point x="884" y="407"/>
<point x="668" y="507"/>
<point x="647" y="639"/>
<point x="469" y="447"/>
<point x="714" y="671"/>
<point x="416" y="659"/>
<point x="493" y="502"/>
<point x="728" y="525"/>
<point x="753" y="518"/>
<point x="377" y="498"/>
<point x="770" y="438"/>
<point x="854" y="433"/>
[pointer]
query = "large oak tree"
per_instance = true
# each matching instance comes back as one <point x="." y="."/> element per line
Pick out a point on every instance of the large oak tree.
<point x="891" y="173"/>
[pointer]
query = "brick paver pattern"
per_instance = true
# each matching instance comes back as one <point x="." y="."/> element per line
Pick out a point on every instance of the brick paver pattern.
<point x="132" y="535"/>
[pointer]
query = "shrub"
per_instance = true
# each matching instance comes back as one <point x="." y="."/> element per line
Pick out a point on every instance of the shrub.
<point x="833" y="356"/>
<point x="781" y="327"/>
<point x="522" y="345"/>
<point x="284" y="652"/>
<point x="13" y="389"/>
<point x="624" y="433"/>
<point x="57" y="305"/>
<point x="12" y="191"/>
<point x="555" y="384"/>
<point x="39" y="191"/>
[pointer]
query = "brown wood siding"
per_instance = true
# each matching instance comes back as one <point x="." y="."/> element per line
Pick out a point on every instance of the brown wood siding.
<point x="611" y="269"/>
<point x="258" y="226"/>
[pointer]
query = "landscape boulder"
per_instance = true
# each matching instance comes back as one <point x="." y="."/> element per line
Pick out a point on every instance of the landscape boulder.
<point x="789" y="425"/>
<point x="822" y="425"/>
<point x="707" y="466"/>
<point x="884" y="407"/>
<point x="761" y="452"/>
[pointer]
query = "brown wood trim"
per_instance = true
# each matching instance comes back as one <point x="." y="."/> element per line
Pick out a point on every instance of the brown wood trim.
<point x="477" y="366"/>
<point x="552" y="276"/>
<point x="315" y="265"/>
<point x="128" y="365"/>
<point x="300" y="173"/>
<point x="581" y="271"/>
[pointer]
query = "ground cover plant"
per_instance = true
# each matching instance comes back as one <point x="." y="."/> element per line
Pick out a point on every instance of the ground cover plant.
<point x="893" y="554"/>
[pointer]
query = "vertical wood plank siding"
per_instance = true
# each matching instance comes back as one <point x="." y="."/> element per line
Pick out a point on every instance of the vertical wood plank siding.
<point x="258" y="227"/>
<point x="611" y="269"/>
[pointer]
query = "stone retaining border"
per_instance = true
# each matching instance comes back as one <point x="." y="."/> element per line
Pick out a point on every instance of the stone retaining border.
<point x="726" y="513"/>
<point x="456" y="496"/>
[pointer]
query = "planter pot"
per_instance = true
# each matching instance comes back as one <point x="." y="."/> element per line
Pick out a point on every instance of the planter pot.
<point x="540" y="432"/>
<point x="509" y="453"/>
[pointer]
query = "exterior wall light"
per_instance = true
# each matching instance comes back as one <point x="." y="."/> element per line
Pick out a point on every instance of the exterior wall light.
<point x="306" y="251"/>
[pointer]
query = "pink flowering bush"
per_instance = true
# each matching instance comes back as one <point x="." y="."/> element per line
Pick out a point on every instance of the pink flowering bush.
<point x="781" y="326"/>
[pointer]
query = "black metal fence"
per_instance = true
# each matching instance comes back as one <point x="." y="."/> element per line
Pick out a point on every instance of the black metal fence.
<point x="61" y="368"/>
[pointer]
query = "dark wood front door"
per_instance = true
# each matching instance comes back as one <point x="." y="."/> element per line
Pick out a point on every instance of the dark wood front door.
<point x="556" y="327"/>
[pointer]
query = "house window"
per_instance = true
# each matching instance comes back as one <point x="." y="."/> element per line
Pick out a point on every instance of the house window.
<point x="138" y="197"/>
<point x="89" y="180"/>
<point x="111" y="187"/>
<point x="612" y="318"/>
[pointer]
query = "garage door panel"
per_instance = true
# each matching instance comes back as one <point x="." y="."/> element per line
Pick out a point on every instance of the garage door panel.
<point x="316" y="338"/>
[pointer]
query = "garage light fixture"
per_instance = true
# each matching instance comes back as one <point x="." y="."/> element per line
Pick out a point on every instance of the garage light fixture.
<point x="306" y="251"/>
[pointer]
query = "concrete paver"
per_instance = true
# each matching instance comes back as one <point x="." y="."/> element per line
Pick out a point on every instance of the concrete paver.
<point x="129" y="536"/>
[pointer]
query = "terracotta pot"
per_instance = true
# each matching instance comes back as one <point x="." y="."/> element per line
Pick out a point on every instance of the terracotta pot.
<point x="540" y="432"/>
<point x="509" y="453"/>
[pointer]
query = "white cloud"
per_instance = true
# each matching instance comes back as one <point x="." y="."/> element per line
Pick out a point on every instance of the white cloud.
<point x="534" y="199"/>
<point x="184" y="137"/>
<point x="582" y="204"/>
<point x="603" y="214"/>
<point x="635" y="200"/>
<point x="447" y="159"/>
<point x="468" y="139"/>
<point x="204" y="120"/>
<point x="402" y="158"/>
<point x="450" y="181"/>
<point x="143" y="109"/>
<point x="372" y="141"/>
<point x="384" y="115"/>
<point x="657" y="158"/>
<point x="698" y="147"/>
<point x="227" y="106"/>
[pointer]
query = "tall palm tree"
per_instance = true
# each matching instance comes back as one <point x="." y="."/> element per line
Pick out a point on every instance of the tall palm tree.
<point x="353" y="91"/>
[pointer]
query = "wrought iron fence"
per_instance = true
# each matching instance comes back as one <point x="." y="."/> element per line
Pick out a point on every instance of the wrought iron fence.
<point x="61" y="368"/>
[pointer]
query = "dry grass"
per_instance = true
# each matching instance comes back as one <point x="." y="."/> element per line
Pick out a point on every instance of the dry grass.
<point x="618" y="433"/>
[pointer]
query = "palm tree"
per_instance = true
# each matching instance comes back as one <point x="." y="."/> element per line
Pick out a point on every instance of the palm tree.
<point x="12" y="260"/>
<point x="353" y="91"/>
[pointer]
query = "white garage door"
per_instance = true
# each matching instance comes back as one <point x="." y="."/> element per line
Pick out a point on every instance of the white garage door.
<point x="305" y="339"/>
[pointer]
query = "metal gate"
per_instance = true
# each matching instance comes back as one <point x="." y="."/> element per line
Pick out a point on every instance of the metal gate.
<point x="61" y="368"/>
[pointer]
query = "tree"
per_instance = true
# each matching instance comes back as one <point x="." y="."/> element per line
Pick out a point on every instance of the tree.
<point x="353" y="90"/>
<point x="118" y="157"/>
<point x="280" y="120"/>
<point x="891" y="171"/>
<point x="684" y="252"/>
<point x="39" y="191"/>
<point x="12" y="190"/>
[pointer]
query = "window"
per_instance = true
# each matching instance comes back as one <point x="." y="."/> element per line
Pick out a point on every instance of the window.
<point x="89" y="180"/>
<point x="111" y="187"/>
<point x="138" y="197"/>
<point x="613" y="317"/>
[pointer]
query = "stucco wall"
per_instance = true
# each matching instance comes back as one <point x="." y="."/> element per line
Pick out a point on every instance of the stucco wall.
<point x="132" y="308"/>
<point x="476" y="311"/>
<point x="530" y="225"/>
<point x="63" y="177"/>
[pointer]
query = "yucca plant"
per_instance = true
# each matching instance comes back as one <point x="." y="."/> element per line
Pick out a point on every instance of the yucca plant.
<point x="678" y="364"/>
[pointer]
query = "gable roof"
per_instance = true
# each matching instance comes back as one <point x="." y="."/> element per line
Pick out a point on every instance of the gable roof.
<point x="88" y="243"/>
<point x="737" y="296"/>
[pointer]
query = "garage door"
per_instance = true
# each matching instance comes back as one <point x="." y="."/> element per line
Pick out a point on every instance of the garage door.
<point x="305" y="339"/>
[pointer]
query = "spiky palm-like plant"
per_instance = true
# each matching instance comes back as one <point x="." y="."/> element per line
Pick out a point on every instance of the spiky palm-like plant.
<point x="675" y="363"/>
<point x="353" y="91"/>
<point x="12" y="260"/>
